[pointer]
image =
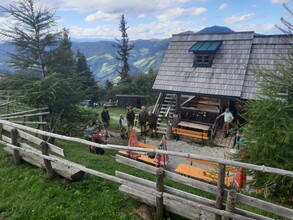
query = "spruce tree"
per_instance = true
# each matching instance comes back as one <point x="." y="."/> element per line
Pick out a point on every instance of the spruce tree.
<point x="89" y="84"/>
<point x="124" y="47"/>
<point x="269" y="130"/>
<point x="33" y="35"/>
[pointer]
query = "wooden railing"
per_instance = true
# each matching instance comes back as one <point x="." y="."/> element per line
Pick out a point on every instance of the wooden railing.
<point x="153" y="193"/>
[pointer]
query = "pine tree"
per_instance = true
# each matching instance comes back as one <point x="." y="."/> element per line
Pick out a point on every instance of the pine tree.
<point x="124" y="47"/>
<point x="32" y="35"/>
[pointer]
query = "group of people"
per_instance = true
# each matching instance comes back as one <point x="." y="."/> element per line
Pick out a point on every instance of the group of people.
<point x="147" y="118"/>
<point x="144" y="118"/>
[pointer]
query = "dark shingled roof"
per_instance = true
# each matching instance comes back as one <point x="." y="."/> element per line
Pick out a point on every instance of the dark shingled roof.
<point x="231" y="74"/>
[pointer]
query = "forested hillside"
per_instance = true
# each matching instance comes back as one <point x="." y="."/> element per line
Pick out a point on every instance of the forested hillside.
<point x="101" y="57"/>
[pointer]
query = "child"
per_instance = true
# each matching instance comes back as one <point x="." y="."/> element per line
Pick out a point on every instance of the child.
<point x="122" y="127"/>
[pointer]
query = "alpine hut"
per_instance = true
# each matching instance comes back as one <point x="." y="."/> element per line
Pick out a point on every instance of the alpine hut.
<point x="202" y="74"/>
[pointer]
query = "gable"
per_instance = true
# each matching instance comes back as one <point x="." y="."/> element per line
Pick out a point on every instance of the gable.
<point x="224" y="78"/>
<point x="231" y="74"/>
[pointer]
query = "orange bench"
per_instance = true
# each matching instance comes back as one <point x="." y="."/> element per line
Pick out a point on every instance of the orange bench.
<point x="189" y="133"/>
<point x="210" y="164"/>
<point x="143" y="158"/>
<point x="202" y="174"/>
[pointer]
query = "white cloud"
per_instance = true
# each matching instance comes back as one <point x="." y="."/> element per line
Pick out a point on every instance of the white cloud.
<point x="279" y="1"/>
<point x="223" y="6"/>
<point x="98" y="32"/>
<point x="152" y="30"/>
<point x="235" y="19"/>
<point x="99" y="15"/>
<point x="141" y="16"/>
<point x="178" y="13"/>
<point x="258" y="28"/>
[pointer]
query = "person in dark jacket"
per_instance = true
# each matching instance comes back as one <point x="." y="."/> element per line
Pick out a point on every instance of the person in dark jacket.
<point x="142" y="119"/>
<point x="152" y="119"/>
<point x="130" y="116"/>
<point x="106" y="120"/>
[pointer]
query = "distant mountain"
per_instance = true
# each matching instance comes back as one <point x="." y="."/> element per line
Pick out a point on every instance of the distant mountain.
<point x="211" y="30"/>
<point x="101" y="57"/>
<point x="215" y="30"/>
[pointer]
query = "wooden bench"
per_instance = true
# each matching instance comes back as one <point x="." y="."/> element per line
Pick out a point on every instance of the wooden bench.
<point x="202" y="174"/>
<point x="142" y="157"/>
<point x="211" y="164"/>
<point x="189" y="133"/>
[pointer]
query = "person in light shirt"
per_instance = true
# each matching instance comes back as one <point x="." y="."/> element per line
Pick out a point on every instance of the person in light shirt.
<point x="228" y="118"/>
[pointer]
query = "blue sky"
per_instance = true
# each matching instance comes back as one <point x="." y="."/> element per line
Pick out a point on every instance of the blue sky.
<point x="148" y="19"/>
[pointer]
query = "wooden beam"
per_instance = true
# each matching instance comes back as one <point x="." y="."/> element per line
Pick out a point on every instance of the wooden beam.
<point x="231" y="202"/>
<point x="48" y="166"/>
<point x="23" y="112"/>
<point x="25" y="115"/>
<point x="220" y="189"/>
<point x="211" y="189"/>
<point x="36" y="140"/>
<point x="173" y="153"/>
<point x="159" y="198"/>
<point x="14" y="141"/>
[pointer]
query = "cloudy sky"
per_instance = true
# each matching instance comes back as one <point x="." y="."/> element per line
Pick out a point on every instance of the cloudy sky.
<point x="147" y="19"/>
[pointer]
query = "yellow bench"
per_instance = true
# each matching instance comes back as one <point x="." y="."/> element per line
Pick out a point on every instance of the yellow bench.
<point x="143" y="158"/>
<point x="202" y="174"/>
<point x="189" y="133"/>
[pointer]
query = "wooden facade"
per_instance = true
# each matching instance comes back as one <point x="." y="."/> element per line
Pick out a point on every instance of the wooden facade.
<point x="205" y="91"/>
<point x="125" y="101"/>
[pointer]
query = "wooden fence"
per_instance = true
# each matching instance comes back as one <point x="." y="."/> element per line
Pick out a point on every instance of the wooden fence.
<point x="153" y="193"/>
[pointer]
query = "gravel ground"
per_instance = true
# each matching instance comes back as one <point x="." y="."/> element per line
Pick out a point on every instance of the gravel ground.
<point x="187" y="147"/>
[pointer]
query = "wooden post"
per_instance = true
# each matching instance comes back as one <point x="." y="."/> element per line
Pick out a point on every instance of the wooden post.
<point x="159" y="197"/>
<point x="231" y="202"/>
<point x="7" y="110"/>
<point x="14" y="135"/>
<point x="48" y="166"/>
<point x="220" y="190"/>
<point x="178" y="104"/>
<point x="169" y="133"/>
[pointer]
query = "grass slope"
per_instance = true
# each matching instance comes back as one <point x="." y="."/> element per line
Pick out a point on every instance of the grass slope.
<point x="27" y="193"/>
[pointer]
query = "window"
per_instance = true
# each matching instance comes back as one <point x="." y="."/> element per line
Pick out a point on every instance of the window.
<point x="204" y="52"/>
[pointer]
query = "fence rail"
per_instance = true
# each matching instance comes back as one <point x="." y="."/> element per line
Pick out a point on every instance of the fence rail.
<point x="153" y="193"/>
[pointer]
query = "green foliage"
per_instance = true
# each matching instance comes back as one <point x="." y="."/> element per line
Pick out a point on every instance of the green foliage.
<point x="124" y="47"/>
<point x="269" y="132"/>
<point x="32" y="35"/>
<point x="140" y="84"/>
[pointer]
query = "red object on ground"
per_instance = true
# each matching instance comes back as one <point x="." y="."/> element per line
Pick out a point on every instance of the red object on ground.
<point x="162" y="159"/>
<point x="132" y="142"/>
<point x="240" y="179"/>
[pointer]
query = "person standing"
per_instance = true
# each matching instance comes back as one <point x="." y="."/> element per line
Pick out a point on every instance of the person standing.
<point x="106" y="121"/>
<point x="130" y="116"/>
<point x="228" y="118"/>
<point x="174" y="123"/>
<point x="122" y="127"/>
<point x="142" y="119"/>
<point x="152" y="119"/>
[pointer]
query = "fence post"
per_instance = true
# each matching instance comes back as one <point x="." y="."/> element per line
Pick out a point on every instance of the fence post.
<point x="48" y="166"/>
<point x="14" y="136"/>
<point x="159" y="196"/>
<point x="220" y="190"/>
<point x="231" y="202"/>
